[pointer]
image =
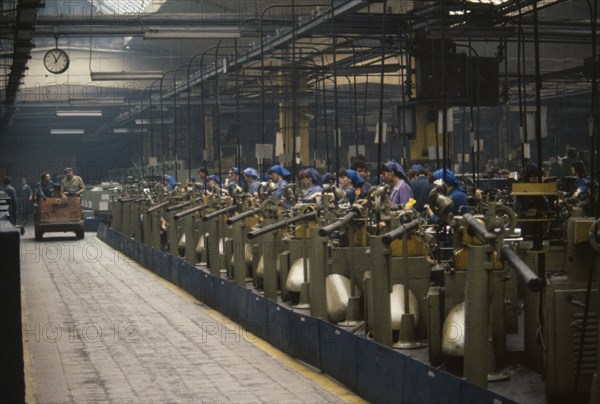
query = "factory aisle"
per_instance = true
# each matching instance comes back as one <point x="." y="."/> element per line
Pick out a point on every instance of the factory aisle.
<point x="100" y="328"/>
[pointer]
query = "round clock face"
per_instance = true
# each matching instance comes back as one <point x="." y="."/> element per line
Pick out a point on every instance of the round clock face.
<point x="56" y="61"/>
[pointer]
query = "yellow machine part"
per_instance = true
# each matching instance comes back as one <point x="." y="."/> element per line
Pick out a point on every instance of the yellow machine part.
<point x="251" y="221"/>
<point x="299" y="233"/>
<point x="415" y="247"/>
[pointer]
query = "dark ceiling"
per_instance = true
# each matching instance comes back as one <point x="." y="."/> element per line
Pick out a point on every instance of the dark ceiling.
<point x="543" y="44"/>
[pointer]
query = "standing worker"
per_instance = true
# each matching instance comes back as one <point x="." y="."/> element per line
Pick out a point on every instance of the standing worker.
<point x="12" y="202"/>
<point x="72" y="185"/>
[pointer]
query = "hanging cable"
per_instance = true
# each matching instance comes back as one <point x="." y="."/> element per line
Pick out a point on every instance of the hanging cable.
<point x="538" y="91"/>
<point x="335" y="94"/>
<point x="381" y="89"/>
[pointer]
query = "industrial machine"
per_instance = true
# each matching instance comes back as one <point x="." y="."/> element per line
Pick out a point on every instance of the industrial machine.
<point x="461" y="287"/>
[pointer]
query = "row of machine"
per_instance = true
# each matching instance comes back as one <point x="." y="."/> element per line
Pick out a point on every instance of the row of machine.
<point x="471" y="290"/>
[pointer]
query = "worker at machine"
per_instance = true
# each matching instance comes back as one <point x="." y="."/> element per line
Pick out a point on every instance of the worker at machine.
<point x="362" y="168"/>
<point x="201" y="181"/>
<point x="581" y="183"/>
<point x="213" y="184"/>
<point x="393" y="174"/>
<point x="251" y="178"/>
<point x="311" y="180"/>
<point x="45" y="188"/>
<point x="233" y="181"/>
<point x="421" y="186"/>
<point x="72" y="185"/>
<point x="453" y="190"/>
<point x="278" y="174"/>
<point x="352" y="184"/>
<point x="168" y="182"/>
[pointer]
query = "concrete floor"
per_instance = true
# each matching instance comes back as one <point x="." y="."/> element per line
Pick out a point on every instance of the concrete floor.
<point x="100" y="328"/>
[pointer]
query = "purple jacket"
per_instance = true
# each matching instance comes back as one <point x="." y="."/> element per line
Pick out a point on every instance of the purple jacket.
<point x="400" y="194"/>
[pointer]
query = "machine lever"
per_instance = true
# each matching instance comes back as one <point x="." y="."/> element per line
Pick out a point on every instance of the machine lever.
<point x="283" y="223"/>
<point x="219" y="212"/>
<point x="398" y="232"/>
<point x="327" y="230"/>
<point x="533" y="282"/>
<point x="242" y="216"/>
<point x="475" y="226"/>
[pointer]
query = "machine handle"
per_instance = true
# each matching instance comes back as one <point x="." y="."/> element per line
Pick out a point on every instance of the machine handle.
<point x="475" y="226"/>
<point x="243" y="215"/>
<point x="398" y="232"/>
<point x="127" y="199"/>
<point x="219" y="212"/>
<point x="187" y="212"/>
<point x="178" y="206"/>
<point x="533" y="282"/>
<point x="281" y="224"/>
<point x="327" y="230"/>
<point x="157" y="207"/>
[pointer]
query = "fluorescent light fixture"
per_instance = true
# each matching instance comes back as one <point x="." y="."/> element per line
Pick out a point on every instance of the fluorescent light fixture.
<point x="116" y="76"/>
<point x="193" y="33"/>
<point x="121" y="130"/>
<point x="67" y="131"/>
<point x="79" y="113"/>
<point x="97" y="101"/>
<point x="154" y="122"/>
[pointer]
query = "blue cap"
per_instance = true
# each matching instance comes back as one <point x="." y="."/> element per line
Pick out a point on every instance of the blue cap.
<point x="312" y="174"/>
<point x="356" y="179"/>
<point x="395" y="168"/>
<point x="450" y="177"/>
<point x="417" y="167"/>
<point x="214" y="178"/>
<point x="234" y="170"/>
<point x="251" y="172"/>
<point x="279" y="169"/>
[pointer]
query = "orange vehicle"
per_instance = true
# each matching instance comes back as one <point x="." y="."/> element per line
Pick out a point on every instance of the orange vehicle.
<point x="59" y="214"/>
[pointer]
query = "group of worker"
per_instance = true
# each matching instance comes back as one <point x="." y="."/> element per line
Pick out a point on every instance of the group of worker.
<point x="413" y="187"/>
<point x="21" y="201"/>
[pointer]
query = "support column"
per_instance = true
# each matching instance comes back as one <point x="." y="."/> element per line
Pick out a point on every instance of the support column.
<point x="286" y="122"/>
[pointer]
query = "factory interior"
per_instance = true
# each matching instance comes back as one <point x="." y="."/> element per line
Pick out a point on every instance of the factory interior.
<point x="416" y="178"/>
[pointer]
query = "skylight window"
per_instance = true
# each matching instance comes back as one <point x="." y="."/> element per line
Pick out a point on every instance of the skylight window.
<point x="128" y="7"/>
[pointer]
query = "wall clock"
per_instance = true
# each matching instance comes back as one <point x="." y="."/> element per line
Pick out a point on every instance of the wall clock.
<point x="56" y="61"/>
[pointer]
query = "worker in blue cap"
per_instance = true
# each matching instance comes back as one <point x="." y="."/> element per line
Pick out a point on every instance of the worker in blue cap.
<point x="351" y="182"/>
<point x="311" y="179"/>
<point x="213" y="184"/>
<point x="393" y="174"/>
<point x="168" y="182"/>
<point x="460" y="205"/>
<point x="251" y="178"/>
<point x="278" y="174"/>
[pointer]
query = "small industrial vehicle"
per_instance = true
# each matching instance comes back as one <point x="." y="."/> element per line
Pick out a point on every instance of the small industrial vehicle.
<point x="57" y="214"/>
